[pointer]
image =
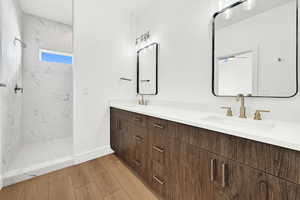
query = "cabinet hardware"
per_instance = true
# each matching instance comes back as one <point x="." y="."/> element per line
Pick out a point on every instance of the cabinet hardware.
<point x="212" y="169"/>
<point x="145" y="81"/>
<point x="224" y="175"/>
<point x="158" y="126"/>
<point x="137" y="119"/>
<point x="138" y="163"/>
<point x="160" y="150"/>
<point x="158" y="180"/>
<point x="118" y="125"/>
<point x="138" y="138"/>
<point x="2" y="85"/>
<point x="125" y="79"/>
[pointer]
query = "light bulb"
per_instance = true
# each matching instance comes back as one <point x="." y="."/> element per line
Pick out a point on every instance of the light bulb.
<point x="249" y="4"/>
<point x="228" y="13"/>
<point x="221" y="5"/>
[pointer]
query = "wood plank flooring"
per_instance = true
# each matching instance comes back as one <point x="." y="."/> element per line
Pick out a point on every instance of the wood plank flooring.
<point x="105" y="178"/>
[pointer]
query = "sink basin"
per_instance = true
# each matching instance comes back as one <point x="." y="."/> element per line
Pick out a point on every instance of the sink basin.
<point x="240" y="123"/>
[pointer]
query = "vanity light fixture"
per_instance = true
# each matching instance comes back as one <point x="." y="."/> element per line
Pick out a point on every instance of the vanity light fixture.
<point x="143" y="38"/>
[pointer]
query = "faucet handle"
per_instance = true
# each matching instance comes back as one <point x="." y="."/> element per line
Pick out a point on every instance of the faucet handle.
<point x="229" y="111"/>
<point x="257" y="115"/>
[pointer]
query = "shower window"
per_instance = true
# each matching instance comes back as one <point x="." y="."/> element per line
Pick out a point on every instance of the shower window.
<point x="56" y="57"/>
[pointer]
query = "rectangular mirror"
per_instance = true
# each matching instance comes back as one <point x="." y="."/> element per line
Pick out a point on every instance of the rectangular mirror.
<point x="147" y="70"/>
<point x="255" y="49"/>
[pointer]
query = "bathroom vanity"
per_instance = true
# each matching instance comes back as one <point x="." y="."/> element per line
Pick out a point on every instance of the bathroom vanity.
<point x="182" y="160"/>
<point x="190" y="154"/>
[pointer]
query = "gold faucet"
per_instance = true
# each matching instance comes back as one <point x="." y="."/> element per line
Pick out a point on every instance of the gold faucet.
<point x="142" y="101"/>
<point x="229" y="112"/>
<point x="257" y="115"/>
<point x="241" y="97"/>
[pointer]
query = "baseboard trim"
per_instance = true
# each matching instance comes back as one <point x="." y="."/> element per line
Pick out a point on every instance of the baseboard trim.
<point x="16" y="176"/>
<point x="90" y="155"/>
<point x="1" y="182"/>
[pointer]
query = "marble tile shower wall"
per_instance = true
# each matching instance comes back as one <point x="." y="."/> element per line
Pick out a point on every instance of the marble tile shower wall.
<point x="10" y="74"/>
<point x="47" y="100"/>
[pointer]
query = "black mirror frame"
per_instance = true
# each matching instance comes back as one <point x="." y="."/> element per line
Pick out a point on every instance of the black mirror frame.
<point x="138" y="68"/>
<point x="213" y="51"/>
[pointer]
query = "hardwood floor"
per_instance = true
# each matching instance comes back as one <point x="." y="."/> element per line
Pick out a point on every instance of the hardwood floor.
<point x="105" y="178"/>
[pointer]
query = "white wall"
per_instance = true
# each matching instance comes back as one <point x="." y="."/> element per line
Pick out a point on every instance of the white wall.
<point x="183" y="29"/>
<point x="103" y="47"/>
<point x="104" y="52"/>
<point x="47" y="99"/>
<point x="10" y="74"/>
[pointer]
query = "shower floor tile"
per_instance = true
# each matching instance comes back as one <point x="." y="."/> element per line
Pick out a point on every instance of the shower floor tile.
<point x="36" y="153"/>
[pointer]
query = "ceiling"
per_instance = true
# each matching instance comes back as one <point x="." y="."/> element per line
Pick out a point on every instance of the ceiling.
<point x="62" y="10"/>
<point x="57" y="10"/>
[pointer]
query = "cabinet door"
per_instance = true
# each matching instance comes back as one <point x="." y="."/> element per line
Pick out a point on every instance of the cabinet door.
<point x="123" y="140"/>
<point x="279" y="189"/>
<point x="139" y="150"/>
<point x="115" y="129"/>
<point x="238" y="182"/>
<point x="188" y="172"/>
<point x="113" y="133"/>
<point x="283" y="163"/>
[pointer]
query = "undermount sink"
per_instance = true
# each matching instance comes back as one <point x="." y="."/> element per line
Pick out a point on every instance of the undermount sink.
<point x="237" y="122"/>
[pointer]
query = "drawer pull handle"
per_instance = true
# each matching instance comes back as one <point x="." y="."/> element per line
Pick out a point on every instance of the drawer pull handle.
<point x="160" y="150"/>
<point x="158" y="126"/>
<point x="158" y="180"/>
<point x="138" y="138"/>
<point x="137" y="119"/>
<point x="224" y="175"/>
<point x="138" y="163"/>
<point x="212" y="169"/>
<point x="118" y="125"/>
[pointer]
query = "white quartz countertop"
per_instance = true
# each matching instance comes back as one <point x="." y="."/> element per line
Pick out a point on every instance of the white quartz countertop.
<point x="283" y="134"/>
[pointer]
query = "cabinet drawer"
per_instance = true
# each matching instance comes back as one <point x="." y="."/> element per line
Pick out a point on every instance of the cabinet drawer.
<point x="217" y="143"/>
<point x="252" y="153"/>
<point x="139" y="133"/>
<point x="283" y="163"/>
<point x="158" y="178"/>
<point x="119" y="113"/>
<point x="158" y="132"/>
<point x="140" y="163"/>
<point x="158" y="154"/>
<point x="277" y="161"/>
<point x="137" y="120"/>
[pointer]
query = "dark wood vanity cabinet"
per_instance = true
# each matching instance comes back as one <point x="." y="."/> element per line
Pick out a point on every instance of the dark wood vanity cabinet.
<point x="180" y="162"/>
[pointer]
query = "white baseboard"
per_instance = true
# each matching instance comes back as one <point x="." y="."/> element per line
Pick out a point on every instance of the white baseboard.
<point x="1" y="182"/>
<point x="90" y="155"/>
<point x="16" y="176"/>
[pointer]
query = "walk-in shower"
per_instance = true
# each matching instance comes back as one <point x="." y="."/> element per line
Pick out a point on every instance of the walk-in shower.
<point x="36" y="95"/>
